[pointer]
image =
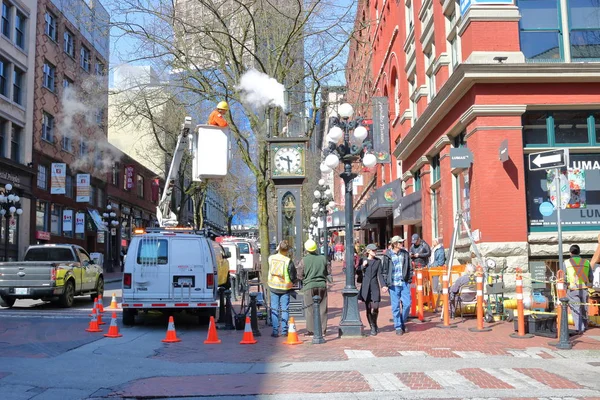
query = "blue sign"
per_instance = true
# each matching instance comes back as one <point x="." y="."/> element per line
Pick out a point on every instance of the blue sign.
<point x="546" y="209"/>
<point x="466" y="4"/>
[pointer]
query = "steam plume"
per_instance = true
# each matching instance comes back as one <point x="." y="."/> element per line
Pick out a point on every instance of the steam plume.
<point x="260" y="90"/>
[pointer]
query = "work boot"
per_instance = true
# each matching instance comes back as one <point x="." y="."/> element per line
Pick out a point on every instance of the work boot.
<point x="374" y="328"/>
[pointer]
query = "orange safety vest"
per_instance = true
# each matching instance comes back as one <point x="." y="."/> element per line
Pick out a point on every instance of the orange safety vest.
<point x="577" y="275"/>
<point x="216" y="119"/>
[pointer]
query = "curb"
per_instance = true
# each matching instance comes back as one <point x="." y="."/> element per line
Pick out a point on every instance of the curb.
<point x="112" y="280"/>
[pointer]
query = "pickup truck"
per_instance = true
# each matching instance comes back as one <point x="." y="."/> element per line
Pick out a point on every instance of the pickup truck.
<point x="51" y="272"/>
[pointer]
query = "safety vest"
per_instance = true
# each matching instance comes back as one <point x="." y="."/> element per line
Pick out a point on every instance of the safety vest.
<point x="578" y="273"/>
<point x="279" y="275"/>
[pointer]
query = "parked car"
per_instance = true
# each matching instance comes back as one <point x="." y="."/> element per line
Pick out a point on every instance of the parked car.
<point x="235" y="267"/>
<point x="51" y="272"/>
<point x="173" y="270"/>
<point x="249" y="254"/>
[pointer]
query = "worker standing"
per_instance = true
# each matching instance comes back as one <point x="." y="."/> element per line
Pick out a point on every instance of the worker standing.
<point x="314" y="275"/>
<point x="216" y="117"/>
<point x="282" y="275"/>
<point x="579" y="276"/>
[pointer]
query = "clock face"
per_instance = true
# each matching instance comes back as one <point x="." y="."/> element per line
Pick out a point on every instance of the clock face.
<point x="288" y="161"/>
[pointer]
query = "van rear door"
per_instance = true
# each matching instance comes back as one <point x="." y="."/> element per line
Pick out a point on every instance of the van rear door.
<point x="191" y="264"/>
<point x="151" y="276"/>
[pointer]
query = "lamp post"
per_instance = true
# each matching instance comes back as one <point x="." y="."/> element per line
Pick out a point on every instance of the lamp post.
<point x="111" y="222"/>
<point x="352" y="148"/>
<point x="10" y="205"/>
<point x="323" y="203"/>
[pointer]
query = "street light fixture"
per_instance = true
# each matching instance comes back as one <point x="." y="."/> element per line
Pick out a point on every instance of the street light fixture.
<point x="110" y="221"/>
<point x="323" y="201"/>
<point x="352" y="149"/>
<point x="10" y="206"/>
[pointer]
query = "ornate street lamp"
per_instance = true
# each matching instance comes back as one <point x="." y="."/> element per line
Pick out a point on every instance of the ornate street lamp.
<point x="321" y="207"/>
<point x="111" y="222"/>
<point x="352" y="148"/>
<point x="10" y="208"/>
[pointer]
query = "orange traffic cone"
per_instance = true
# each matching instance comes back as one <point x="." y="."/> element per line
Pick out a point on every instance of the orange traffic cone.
<point x="171" y="334"/>
<point x="212" y="337"/>
<point x="292" y="333"/>
<point x="93" y="327"/>
<point x="248" y="335"/>
<point x="113" y="330"/>
<point x="100" y="305"/>
<point x="113" y="303"/>
<point x="99" y="318"/>
<point x="95" y="307"/>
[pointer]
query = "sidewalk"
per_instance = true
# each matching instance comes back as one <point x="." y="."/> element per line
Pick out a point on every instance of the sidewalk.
<point x="111" y="277"/>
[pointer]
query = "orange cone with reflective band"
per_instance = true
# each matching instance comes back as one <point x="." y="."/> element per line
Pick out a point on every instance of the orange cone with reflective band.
<point x="95" y="307"/>
<point x="113" y="303"/>
<point x="93" y="327"/>
<point x="113" y="330"/>
<point x="292" y="337"/>
<point x="100" y="305"/>
<point x="248" y="335"/>
<point x="212" y="337"/>
<point x="171" y="334"/>
<point x="99" y="317"/>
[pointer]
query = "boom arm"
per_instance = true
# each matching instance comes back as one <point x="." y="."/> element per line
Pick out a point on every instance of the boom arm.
<point x="164" y="214"/>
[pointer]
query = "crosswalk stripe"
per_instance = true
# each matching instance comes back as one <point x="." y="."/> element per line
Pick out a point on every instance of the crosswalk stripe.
<point x="470" y="354"/>
<point x="514" y="378"/>
<point x="451" y="380"/>
<point x="413" y="353"/>
<point x="524" y="353"/>
<point x="359" y="354"/>
<point x="385" y="382"/>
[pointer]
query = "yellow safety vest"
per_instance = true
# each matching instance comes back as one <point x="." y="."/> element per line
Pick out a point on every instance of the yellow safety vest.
<point x="577" y="273"/>
<point x="279" y="275"/>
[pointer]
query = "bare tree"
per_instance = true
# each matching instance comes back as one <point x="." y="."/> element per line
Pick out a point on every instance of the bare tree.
<point x="207" y="45"/>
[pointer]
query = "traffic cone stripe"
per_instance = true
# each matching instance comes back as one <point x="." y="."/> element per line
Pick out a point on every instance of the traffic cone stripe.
<point x="93" y="326"/>
<point x="171" y="334"/>
<point x="113" y="303"/>
<point x="100" y="305"/>
<point x="113" y="330"/>
<point x="212" y="337"/>
<point x="292" y="334"/>
<point x="248" y="335"/>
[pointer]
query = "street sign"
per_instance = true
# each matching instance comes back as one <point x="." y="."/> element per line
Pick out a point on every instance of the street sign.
<point x="546" y="209"/>
<point x="503" y="151"/>
<point x="549" y="159"/>
<point x="460" y="157"/>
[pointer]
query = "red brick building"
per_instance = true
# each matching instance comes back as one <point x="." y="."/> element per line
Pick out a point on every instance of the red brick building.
<point x="519" y="75"/>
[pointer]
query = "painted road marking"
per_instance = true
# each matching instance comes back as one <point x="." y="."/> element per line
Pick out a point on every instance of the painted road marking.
<point x="470" y="354"/>
<point x="411" y="353"/>
<point x="385" y="382"/>
<point x="524" y="353"/>
<point x="451" y="380"/>
<point x="359" y="354"/>
<point x="514" y="378"/>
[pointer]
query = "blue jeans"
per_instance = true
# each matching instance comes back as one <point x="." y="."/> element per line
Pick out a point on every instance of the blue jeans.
<point x="400" y="294"/>
<point x="280" y="301"/>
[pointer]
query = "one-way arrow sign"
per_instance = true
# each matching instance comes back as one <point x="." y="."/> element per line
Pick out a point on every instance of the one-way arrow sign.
<point x="549" y="159"/>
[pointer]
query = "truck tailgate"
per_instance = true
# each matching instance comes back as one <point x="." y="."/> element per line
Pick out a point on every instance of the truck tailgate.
<point x="25" y="274"/>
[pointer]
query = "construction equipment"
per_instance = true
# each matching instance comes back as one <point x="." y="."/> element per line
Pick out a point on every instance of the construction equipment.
<point x="494" y="289"/>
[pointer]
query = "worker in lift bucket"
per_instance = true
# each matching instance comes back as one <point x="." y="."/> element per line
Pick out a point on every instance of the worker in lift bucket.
<point x="216" y="117"/>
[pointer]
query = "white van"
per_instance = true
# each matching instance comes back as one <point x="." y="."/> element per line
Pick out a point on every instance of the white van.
<point x="249" y="254"/>
<point x="172" y="269"/>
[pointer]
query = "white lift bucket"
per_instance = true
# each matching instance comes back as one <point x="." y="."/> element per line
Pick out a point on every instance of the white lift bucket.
<point x="212" y="150"/>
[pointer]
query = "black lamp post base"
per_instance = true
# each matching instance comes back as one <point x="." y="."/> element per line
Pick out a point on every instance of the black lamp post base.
<point x="350" y="325"/>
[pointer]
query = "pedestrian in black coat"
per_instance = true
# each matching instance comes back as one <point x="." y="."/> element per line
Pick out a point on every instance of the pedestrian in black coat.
<point x="370" y="288"/>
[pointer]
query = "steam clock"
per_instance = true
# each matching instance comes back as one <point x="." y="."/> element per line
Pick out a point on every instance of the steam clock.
<point x="288" y="170"/>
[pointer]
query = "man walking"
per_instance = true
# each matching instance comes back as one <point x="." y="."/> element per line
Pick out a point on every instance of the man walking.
<point x="314" y="282"/>
<point x="419" y="252"/>
<point x="579" y="278"/>
<point x="282" y="275"/>
<point x="397" y="271"/>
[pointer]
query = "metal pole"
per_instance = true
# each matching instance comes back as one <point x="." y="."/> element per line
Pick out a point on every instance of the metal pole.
<point x="325" y="244"/>
<point x="558" y="219"/>
<point x="350" y="324"/>
<point x="318" y="329"/>
<point x="6" y="238"/>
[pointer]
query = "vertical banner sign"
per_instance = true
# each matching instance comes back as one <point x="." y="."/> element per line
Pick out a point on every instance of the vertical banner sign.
<point x="68" y="220"/>
<point x="58" y="178"/>
<point x="83" y="188"/>
<point x="79" y="223"/>
<point x="129" y="174"/>
<point x="381" y="130"/>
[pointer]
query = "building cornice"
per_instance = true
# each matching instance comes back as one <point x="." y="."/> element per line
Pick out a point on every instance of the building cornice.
<point x="406" y="176"/>
<point x="487" y="13"/>
<point x="442" y="142"/>
<point x="443" y="59"/>
<point x="468" y="75"/>
<point x="420" y="162"/>
<point x="492" y="128"/>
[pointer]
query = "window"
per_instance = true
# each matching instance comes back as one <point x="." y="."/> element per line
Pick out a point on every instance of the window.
<point x="82" y="148"/>
<point x="50" y="25"/>
<point x="435" y="219"/>
<point x="6" y="19"/>
<point x="540" y="30"/>
<point x="140" y="186"/>
<point x="100" y="197"/>
<point x="460" y="141"/>
<point x="570" y="127"/>
<point x="55" y="219"/>
<point x="67" y="82"/>
<point x="100" y="116"/>
<point x="93" y="195"/>
<point x="561" y="128"/>
<point x="41" y="212"/>
<point x="18" y="86"/>
<point x="67" y="144"/>
<point x="42" y="177"/>
<point x="68" y="46"/>
<point x="84" y="59"/>
<point x="409" y="18"/>
<point x="412" y="84"/>
<point x="99" y="68"/>
<point x="436" y="172"/>
<point x="584" y="32"/>
<point x="417" y="180"/>
<point x="115" y="174"/>
<point x="429" y="58"/>
<point x="3" y="77"/>
<point x="48" y="127"/>
<point x="3" y="125"/>
<point x="20" y="21"/>
<point x="69" y="186"/>
<point x="49" y="76"/>
<point x="153" y="252"/>
<point x="15" y="143"/>
<point x="454" y="52"/>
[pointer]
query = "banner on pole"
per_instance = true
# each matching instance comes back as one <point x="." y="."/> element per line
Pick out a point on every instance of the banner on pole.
<point x="83" y="188"/>
<point x="58" y="178"/>
<point x="129" y="177"/>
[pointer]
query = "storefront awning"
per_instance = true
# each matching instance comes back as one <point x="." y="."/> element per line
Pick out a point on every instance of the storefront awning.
<point x="95" y="215"/>
<point x="407" y="209"/>
<point x="381" y="201"/>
